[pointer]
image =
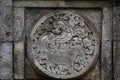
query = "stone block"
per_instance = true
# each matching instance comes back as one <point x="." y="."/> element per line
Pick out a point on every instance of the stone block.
<point x="6" y="2"/>
<point x="19" y="60"/>
<point x="116" y="62"/>
<point x="106" y="46"/>
<point x="116" y="43"/>
<point x="6" y="60"/>
<point x="116" y="24"/>
<point x="19" y="28"/>
<point x="61" y="3"/>
<point x="6" y="24"/>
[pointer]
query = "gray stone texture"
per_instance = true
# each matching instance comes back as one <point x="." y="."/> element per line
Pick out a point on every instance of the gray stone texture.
<point x="99" y="12"/>
<point x="6" y="2"/>
<point x="6" y="35"/>
<point x="19" y="29"/>
<point x="30" y="72"/>
<point x="51" y="35"/>
<point x="116" y="58"/>
<point x="116" y="23"/>
<point x="116" y="43"/>
<point x="19" y="60"/>
<point x="6" y="60"/>
<point x="106" y="46"/>
<point x="94" y="74"/>
<point x="34" y="14"/>
<point x="6" y="24"/>
<point x="61" y="3"/>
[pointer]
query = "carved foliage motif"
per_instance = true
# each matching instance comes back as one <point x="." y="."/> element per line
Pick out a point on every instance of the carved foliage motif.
<point x="63" y="45"/>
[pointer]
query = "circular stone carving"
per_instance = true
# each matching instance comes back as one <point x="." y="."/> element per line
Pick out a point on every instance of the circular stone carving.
<point x="64" y="45"/>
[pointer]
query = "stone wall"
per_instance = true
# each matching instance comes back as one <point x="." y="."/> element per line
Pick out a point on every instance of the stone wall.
<point x="18" y="18"/>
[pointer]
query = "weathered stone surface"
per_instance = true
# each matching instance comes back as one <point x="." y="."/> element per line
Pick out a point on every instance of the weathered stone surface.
<point x="91" y="9"/>
<point x="95" y="15"/>
<point x="94" y="74"/>
<point x="19" y="60"/>
<point x="116" y="52"/>
<point x="19" y="29"/>
<point x="61" y="3"/>
<point x="64" y="45"/>
<point x="116" y="23"/>
<point x="116" y="43"/>
<point x="6" y="2"/>
<point x="106" y="53"/>
<point x="6" y="24"/>
<point x="30" y="72"/>
<point x="6" y="60"/>
<point x="33" y="15"/>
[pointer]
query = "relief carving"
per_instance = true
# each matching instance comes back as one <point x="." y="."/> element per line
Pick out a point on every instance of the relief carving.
<point x="64" y="45"/>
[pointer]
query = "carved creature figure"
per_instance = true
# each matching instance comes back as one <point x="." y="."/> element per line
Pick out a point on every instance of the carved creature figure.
<point x="65" y="44"/>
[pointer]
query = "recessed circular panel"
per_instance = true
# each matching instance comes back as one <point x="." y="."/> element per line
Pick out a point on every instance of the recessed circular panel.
<point x="64" y="45"/>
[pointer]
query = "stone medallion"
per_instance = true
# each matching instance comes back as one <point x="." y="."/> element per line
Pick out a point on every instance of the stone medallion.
<point x="64" y="45"/>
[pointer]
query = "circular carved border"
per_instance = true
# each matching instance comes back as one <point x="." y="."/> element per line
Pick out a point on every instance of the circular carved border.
<point x="63" y="45"/>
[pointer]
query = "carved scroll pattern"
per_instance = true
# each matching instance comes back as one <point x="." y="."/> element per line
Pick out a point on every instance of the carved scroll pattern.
<point x="64" y="44"/>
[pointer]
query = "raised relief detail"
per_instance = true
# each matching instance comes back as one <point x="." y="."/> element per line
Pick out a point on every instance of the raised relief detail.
<point x="64" y="45"/>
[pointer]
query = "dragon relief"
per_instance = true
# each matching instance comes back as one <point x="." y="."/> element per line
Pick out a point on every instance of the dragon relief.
<point x="63" y="45"/>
